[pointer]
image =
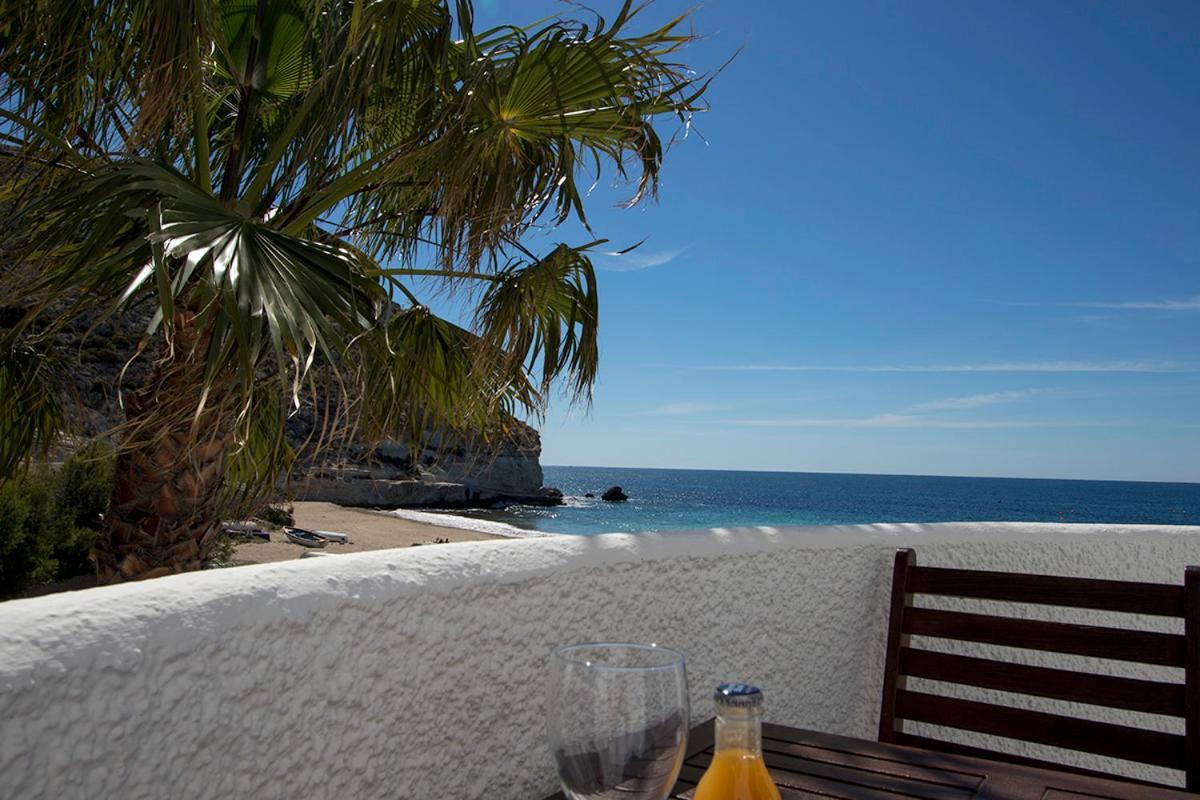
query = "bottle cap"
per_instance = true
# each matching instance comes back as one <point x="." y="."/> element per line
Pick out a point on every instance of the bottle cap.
<point x="738" y="695"/>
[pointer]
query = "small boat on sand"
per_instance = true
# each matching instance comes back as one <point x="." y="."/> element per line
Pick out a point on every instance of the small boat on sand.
<point x="305" y="538"/>
<point x="339" y="538"/>
<point x="246" y="530"/>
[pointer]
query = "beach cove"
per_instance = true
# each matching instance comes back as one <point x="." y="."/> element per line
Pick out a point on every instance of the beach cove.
<point x="368" y="530"/>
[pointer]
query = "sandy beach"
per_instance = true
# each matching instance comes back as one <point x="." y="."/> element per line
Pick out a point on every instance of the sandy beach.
<point x="367" y="529"/>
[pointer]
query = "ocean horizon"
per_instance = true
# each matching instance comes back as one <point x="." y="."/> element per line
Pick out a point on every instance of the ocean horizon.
<point x="687" y="499"/>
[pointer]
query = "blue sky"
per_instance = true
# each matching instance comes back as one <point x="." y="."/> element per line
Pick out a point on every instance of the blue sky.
<point x="928" y="238"/>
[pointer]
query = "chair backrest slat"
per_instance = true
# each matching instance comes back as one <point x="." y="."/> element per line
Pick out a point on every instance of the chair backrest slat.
<point x="1152" y="647"/>
<point x="1119" y="644"/>
<point x="1087" y="736"/>
<point x="1157" y="599"/>
<point x="1131" y="694"/>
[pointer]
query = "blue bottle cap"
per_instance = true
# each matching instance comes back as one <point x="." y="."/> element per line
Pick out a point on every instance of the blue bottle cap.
<point x="738" y="695"/>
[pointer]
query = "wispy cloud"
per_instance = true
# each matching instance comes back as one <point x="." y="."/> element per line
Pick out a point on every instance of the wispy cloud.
<point x="1181" y="304"/>
<point x="1009" y="366"/>
<point x="678" y="410"/>
<point x="636" y="260"/>
<point x="976" y="400"/>
<point x="914" y="421"/>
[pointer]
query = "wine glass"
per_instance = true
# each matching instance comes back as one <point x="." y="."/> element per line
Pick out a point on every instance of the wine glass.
<point x="618" y="720"/>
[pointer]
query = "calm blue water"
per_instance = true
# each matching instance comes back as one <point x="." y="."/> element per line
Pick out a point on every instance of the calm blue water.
<point x="669" y="499"/>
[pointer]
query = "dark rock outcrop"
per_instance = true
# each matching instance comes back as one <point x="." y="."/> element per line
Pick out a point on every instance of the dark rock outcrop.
<point x="614" y="494"/>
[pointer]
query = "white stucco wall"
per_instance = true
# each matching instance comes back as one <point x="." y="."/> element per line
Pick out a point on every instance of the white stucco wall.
<point x="418" y="673"/>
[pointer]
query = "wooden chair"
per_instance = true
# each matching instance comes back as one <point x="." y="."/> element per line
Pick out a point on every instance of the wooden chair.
<point x="1121" y="644"/>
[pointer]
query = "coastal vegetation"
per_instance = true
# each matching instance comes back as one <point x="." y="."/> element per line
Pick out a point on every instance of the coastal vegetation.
<point x="51" y="517"/>
<point x="276" y="186"/>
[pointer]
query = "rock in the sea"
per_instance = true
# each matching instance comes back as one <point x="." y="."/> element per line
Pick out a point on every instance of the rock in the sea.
<point x="588" y="494"/>
<point x="550" y="496"/>
<point x="614" y="494"/>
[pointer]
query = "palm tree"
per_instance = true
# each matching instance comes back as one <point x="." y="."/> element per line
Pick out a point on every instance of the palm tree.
<point x="278" y="179"/>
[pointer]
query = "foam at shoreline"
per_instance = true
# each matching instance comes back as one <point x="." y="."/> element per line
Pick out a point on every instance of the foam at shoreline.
<point x="467" y="523"/>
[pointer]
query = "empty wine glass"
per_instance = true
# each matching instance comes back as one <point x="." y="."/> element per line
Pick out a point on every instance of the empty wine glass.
<point x="618" y="720"/>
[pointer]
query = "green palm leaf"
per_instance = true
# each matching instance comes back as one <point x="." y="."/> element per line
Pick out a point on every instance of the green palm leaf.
<point x="545" y="315"/>
<point x="33" y="385"/>
<point x="282" y="66"/>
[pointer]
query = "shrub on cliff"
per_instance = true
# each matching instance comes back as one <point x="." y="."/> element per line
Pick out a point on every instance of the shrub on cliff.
<point x="49" y="519"/>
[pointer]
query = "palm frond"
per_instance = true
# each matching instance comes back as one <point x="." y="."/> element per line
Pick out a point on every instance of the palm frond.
<point x="537" y="108"/>
<point x="544" y="315"/>
<point x="282" y="66"/>
<point x="262" y="451"/>
<point x="428" y="374"/>
<point x="32" y="387"/>
<point x="260" y="290"/>
<point x="84" y="70"/>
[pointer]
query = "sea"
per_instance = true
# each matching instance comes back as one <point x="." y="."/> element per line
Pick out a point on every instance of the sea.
<point x="686" y="499"/>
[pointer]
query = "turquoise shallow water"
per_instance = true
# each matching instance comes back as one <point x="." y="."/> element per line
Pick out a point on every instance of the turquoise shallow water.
<point x="668" y="499"/>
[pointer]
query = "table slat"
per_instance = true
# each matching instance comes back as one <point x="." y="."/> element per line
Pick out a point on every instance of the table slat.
<point x="808" y="764"/>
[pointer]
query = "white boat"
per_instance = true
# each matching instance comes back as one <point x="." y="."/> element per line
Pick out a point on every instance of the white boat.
<point x="333" y="536"/>
<point x="305" y="538"/>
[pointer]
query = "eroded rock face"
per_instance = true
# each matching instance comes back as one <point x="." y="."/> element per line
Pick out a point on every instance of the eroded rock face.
<point x="352" y="488"/>
<point x="445" y="474"/>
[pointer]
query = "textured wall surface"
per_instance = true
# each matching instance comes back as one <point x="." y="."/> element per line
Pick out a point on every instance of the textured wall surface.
<point x="417" y="673"/>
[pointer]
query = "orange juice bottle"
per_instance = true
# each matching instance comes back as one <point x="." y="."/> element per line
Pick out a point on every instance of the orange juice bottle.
<point x="738" y="771"/>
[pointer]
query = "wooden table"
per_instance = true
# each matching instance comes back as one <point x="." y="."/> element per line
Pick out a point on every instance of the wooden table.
<point x="806" y="764"/>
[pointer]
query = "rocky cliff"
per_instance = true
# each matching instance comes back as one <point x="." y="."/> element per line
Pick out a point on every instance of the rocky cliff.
<point x="451" y="472"/>
<point x="448" y="473"/>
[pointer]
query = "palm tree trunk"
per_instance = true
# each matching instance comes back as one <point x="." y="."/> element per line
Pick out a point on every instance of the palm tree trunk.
<point x="163" y="514"/>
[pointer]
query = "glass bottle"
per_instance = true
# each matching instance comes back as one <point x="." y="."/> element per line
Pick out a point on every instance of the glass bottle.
<point x="738" y="771"/>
